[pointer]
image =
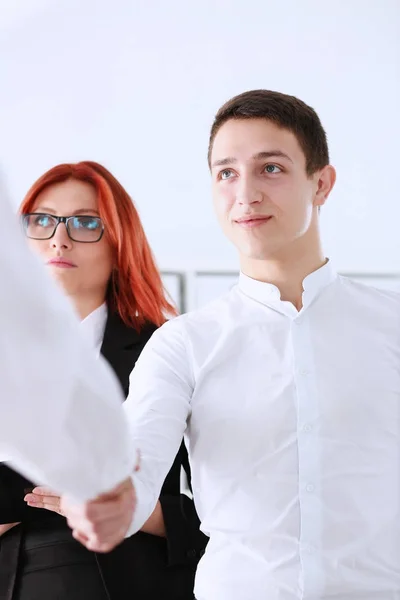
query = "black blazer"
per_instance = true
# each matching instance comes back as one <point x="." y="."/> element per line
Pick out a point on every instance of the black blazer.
<point x="143" y="566"/>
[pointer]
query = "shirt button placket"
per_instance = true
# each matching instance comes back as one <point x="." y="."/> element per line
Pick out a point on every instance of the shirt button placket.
<point x="307" y="417"/>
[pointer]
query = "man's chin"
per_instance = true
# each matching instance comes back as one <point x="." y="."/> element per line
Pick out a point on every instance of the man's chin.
<point x="248" y="254"/>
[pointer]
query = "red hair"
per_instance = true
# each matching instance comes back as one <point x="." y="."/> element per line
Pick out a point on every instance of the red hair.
<point x="136" y="291"/>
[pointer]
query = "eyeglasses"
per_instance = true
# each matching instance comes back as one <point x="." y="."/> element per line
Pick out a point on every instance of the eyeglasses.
<point x="80" y="228"/>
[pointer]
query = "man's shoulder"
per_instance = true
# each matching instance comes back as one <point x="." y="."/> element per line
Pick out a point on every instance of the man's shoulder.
<point x="380" y="297"/>
<point x="208" y="315"/>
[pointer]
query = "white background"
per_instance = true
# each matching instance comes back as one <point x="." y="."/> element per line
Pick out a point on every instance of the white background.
<point x="136" y="87"/>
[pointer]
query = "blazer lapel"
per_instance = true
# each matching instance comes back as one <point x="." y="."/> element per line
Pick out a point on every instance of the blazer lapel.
<point x="122" y="346"/>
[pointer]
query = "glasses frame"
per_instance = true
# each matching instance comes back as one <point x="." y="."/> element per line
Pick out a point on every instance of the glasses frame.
<point x="59" y="220"/>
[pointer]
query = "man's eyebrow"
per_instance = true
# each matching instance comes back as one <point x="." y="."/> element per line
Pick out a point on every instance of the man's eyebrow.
<point x="231" y="160"/>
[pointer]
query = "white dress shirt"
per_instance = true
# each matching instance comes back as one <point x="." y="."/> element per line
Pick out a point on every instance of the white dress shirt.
<point x="93" y="327"/>
<point x="292" y="423"/>
<point x="61" y="416"/>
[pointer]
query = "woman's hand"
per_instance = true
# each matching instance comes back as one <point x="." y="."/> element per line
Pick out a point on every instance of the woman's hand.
<point x="42" y="497"/>
<point x="99" y="524"/>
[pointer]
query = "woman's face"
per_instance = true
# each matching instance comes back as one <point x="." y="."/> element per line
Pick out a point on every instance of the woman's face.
<point x="82" y="269"/>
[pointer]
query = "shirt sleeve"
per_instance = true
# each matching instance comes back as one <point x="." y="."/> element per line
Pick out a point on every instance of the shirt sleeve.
<point x="61" y="417"/>
<point x="158" y="406"/>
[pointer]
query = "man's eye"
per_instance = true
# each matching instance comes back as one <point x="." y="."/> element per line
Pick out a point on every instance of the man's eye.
<point x="272" y="169"/>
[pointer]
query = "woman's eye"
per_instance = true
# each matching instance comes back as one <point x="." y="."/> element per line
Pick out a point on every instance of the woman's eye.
<point x="272" y="169"/>
<point x="43" y="221"/>
<point x="86" y="223"/>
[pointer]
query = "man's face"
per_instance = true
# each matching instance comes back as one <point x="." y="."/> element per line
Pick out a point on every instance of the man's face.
<point x="263" y="196"/>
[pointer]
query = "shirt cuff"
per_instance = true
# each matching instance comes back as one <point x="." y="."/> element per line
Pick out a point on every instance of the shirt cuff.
<point x="145" y="504"/>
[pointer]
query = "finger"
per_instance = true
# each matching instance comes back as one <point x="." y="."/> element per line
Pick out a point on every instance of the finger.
<point x="34" y="499"/>
<point x="106" y="543"/>
<point x="36" y="504"/>
<point x="91" y="517"/>
<point x="44" y="491"/>
<point x="93" y="544"/>
<point x="48" y="502"/>
<point x="108" y="510"/>
<point x="114" y="528"/>
<point x="110" y="529"/>
<point x="72" y="508"/>
<point x="80" y="537"/>
<point x="53" y="508"/>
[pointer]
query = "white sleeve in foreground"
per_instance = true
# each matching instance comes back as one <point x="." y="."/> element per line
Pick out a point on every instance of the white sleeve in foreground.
<point x="61" y="417"/>
<point x="158" y="407"/>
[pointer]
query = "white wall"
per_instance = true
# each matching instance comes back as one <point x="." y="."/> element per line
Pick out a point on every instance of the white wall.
<point x="136" y="88"/>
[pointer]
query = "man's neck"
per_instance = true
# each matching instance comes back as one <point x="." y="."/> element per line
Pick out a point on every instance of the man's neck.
<point x="287" y="273"/>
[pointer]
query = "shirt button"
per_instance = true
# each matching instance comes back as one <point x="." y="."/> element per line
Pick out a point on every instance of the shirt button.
<point x="307" y="428"/>
<point x="310" y="487"/>
<point x="304" y="372"/>
<point x="310" y="549"/>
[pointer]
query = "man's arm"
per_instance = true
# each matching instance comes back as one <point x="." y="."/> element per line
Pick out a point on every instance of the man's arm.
<point x="158" y="407"/>
<point x="54" y="391"/>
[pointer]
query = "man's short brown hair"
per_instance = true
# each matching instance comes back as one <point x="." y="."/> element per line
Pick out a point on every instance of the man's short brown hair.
<point x="285" y="111"/>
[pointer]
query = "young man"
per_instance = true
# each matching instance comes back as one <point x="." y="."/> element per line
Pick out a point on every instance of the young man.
<point x="288" y="387"/>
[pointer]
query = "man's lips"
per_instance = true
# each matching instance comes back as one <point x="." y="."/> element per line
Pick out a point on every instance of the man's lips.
<point x="253" y="220"/>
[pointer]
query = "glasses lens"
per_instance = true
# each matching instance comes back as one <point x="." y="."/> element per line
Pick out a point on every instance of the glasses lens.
<point x="85" y="229"/>
<point x="39" y="227"/>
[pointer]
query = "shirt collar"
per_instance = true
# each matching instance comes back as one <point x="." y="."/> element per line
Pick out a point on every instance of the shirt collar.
<point x="94" y="325"/>
<point x="269" y="294"/>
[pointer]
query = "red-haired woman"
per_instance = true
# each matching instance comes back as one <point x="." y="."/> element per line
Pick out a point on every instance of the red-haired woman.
<point x="84" y="226"/>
